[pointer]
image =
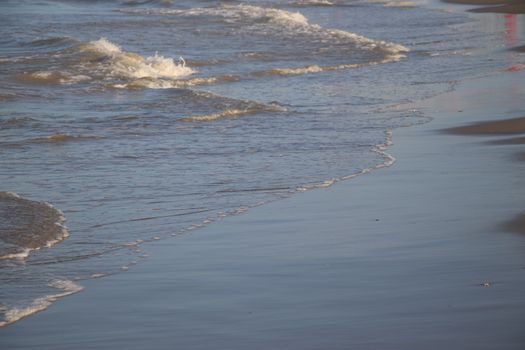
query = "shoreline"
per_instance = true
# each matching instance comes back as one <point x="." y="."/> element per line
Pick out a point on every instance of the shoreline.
<point x="226" y="309"/>
<point x="418" y="255"/>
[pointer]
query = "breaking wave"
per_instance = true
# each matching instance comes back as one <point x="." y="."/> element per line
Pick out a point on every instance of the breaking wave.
<point x="101" y="61"/>
<point x="294" y="24"/>
<point x="131" y="65"/>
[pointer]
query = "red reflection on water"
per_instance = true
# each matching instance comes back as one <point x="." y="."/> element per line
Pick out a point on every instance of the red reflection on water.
<point x="511" y="35"/>
<point x="511" y="38"/>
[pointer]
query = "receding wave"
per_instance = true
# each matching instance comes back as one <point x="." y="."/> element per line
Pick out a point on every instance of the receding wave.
<point x="26" y="225"/>
<point x="11" y="315"/>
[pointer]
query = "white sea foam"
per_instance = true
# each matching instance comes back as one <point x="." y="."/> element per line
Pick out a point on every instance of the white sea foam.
<point x="131" y="65"/>
<point x="103" y="46"/>
<point x="14" y="314"/>
<point x="233" y="13"/>
<point x="21" y="255"/>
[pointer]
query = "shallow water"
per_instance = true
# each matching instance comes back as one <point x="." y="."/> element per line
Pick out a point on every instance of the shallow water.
<point x="141" y="120"/>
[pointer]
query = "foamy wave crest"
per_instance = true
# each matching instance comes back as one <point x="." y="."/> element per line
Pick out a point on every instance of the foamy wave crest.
<point x="233" y="13"/>
<point x="131" y="65"/>
<point x="104" y="62"/>
<point x="14" y="314"/>
<point x="275" y="20"/>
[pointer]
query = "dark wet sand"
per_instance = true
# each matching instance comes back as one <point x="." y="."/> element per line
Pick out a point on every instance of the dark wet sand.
<point x="520" y="156"/>
<point x="497" y="127"/>
<point x="501" y="127"/>
<point x="418" y="256"/>
<point x="509" y="141"/>
<point x="481" y="2"/>
<point x="519" y="48"/>
<point x="494" y="6"/>
<point x="506" y="8"/>
<point x="517" y="224"/>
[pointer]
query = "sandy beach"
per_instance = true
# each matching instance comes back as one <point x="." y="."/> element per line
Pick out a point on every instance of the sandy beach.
<point x="426" y="254"/>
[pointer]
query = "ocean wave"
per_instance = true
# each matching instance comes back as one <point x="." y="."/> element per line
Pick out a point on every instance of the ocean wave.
<point x="227" y="114"/>
<point x="51" y="42"/>
<point x="236" y="108"/>
<point x="275" y="20"/>
<point x="131" y="65"/>
<point x="313" y="3"/>
<point x="52" y="77"/>
<point x="100" y="61"/>
<point x="318" y="69"/>
<point x="146" y="2"/>
<point x="27" y="225"/>
<point x="178" y="84"/>
<point x="64" y="138"/>
<point x="16" y="121"/>
<point x="14" y="314"/>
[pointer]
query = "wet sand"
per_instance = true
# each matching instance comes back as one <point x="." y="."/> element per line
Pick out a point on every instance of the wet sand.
<point x="509" y="141"/>
<point x="496" y="127"/>
<point x="506" y="8"/>
<point x="517" y="224"/>
<point x="502" y="127"/>
<point x="493" y="6"/>
<point x="422" y="255"/>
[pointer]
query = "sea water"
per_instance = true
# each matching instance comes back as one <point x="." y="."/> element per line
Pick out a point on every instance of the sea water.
<point x="123" y="122"/>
